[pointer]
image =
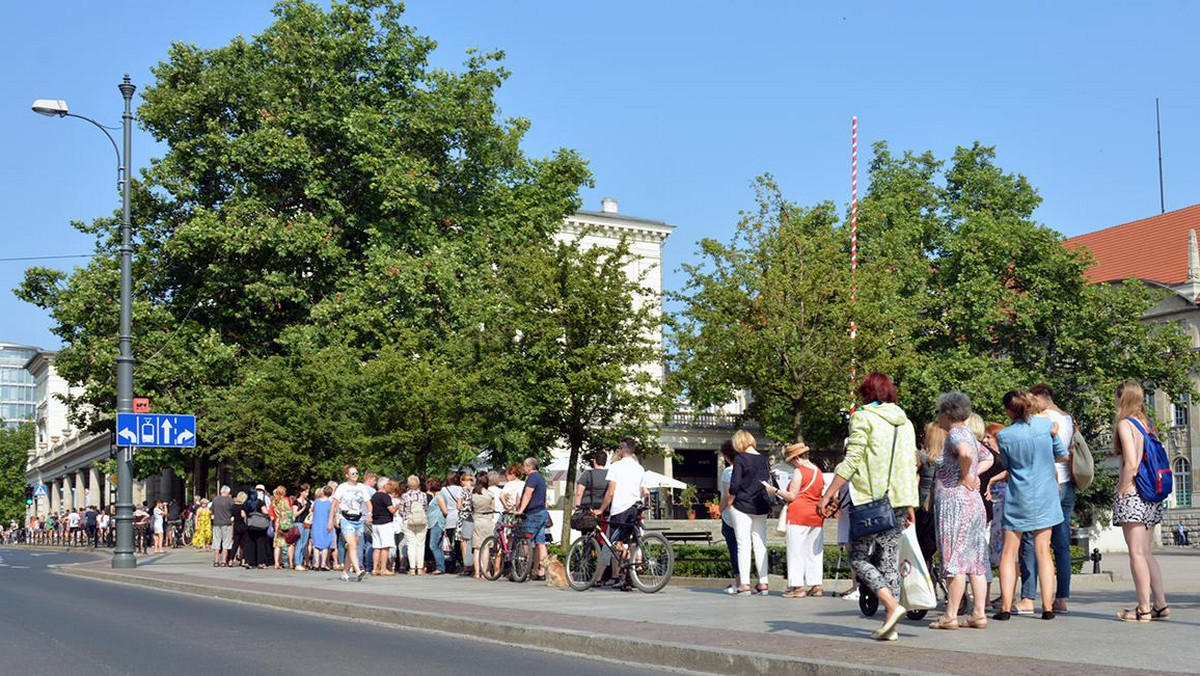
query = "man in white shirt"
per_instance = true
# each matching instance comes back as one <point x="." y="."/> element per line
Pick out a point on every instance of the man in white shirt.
<point x="1060" y="536"/>
<point x="625" y="492"/>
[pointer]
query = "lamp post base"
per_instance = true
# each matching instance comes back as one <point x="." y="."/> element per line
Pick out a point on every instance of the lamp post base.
<point x="124" y="560"/>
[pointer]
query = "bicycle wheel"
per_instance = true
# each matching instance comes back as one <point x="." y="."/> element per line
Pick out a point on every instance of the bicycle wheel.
<point x="583" y="563"/>
<point x="489" y="552"/>
<point x="522" y="560"/>
<point x="653" y="561"/>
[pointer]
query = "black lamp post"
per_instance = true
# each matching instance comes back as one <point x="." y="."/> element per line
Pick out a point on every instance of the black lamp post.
<point x="123" y="554"/>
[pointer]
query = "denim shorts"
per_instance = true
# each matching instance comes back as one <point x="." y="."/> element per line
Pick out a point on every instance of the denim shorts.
<point x="535" y="525"/>
<point x="351" y="528"/>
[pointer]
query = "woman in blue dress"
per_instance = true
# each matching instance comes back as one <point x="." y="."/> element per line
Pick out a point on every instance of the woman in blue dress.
<point x="322" y="536"/>
<point x="1028" y="447"/>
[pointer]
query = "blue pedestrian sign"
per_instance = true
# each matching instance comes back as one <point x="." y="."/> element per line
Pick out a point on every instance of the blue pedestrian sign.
<point x="39" y="491"/>
<point x="156" y="430"/>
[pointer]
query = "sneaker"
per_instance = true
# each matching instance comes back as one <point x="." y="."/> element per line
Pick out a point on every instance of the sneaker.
<point x="361" y="575"/>
<point x="852" y="596"/>
<point x="345" y="576"/>
<point x="732" y="590"/>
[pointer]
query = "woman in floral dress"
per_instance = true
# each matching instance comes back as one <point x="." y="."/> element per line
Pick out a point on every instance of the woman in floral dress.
<point x="960" y="516"/>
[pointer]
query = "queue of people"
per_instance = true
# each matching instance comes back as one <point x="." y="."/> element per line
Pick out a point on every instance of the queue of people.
<point x="981" y="496"/>
<point x="365" y="524"/>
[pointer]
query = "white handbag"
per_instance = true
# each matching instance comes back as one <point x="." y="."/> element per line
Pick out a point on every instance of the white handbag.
<point x="916" y="587"/>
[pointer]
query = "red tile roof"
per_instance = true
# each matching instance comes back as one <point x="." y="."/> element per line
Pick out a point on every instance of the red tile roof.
<point x="1154" y="248"/>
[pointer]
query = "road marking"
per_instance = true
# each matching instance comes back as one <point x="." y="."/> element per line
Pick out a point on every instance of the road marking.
<point x="22" y="567"/>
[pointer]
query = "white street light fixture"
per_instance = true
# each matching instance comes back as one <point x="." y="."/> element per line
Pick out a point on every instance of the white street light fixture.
<point x="51" y="107"/>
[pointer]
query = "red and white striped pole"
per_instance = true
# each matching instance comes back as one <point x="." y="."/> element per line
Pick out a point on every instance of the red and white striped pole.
<point x="853" y="258"/>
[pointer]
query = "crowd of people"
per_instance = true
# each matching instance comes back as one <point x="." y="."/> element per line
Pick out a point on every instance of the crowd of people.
<point x="366" y="524"/>
<point x="979" y="495"/>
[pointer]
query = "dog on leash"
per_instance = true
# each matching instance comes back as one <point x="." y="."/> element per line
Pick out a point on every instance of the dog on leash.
<point x="556" y="573"/>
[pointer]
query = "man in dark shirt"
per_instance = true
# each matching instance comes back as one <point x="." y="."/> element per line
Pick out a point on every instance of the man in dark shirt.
<point x="222" y="526"/>
<point x="383" y="538"/>
<point x="533" y="506"/>
<point x="90" y="526"/>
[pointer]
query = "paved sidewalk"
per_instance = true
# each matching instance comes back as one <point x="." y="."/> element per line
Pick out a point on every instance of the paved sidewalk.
<point x="699" y="628"/>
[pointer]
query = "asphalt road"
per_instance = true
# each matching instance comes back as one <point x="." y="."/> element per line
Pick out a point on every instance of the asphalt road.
<point x="55" y="624"/>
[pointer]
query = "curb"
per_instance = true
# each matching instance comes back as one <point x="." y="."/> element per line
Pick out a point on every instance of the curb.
<point x="632" y="650"/>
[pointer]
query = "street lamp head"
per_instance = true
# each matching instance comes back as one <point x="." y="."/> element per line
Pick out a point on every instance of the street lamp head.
<point x="51" y="107"/>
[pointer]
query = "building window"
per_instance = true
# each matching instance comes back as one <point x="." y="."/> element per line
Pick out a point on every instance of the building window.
<point x="1183" y="482"/>
<point x="1148" y="398"/>
<point x="1179" y="411"/>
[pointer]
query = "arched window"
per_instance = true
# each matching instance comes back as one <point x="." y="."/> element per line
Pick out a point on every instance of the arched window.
<point x="1183" y="482"/>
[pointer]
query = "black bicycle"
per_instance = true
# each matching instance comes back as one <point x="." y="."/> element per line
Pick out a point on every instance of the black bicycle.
<point x="646" y="561"/>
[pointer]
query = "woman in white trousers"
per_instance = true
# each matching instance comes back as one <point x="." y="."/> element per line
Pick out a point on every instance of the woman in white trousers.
<point x="805" y="524"/>
<point x="749" y="505"/>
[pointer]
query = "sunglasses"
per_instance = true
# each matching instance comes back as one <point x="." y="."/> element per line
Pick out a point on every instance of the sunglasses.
<point x="354" y="474"/>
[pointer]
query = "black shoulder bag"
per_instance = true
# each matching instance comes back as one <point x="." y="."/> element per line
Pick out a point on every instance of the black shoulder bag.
<point x="875" y="516"/>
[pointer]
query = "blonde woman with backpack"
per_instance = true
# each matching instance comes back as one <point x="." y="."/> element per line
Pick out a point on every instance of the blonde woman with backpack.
<point x="1136" y="516"/>
<point x="414" y="524"/>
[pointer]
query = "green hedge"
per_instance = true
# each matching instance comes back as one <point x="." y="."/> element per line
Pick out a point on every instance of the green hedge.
<point x="713" y="560"/>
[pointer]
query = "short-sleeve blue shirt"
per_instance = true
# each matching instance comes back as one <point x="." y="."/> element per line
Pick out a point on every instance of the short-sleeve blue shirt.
<point x="537" y="501"/>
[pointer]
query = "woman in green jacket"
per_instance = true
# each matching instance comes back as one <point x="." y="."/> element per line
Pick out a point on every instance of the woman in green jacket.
<point x="881" y="453"/>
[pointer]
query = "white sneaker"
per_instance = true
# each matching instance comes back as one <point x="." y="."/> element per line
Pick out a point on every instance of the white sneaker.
<point x="345" y="576"/>
<point x="852" y="596"/>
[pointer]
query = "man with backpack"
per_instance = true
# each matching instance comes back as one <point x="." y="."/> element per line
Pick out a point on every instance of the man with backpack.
<point x="91" y="526"/>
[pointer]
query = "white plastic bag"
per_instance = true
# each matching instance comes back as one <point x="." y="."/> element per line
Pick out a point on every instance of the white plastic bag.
<point x="916" y="587"/>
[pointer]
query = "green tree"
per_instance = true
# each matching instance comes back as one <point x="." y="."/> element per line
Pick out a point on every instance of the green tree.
<point x="575" y="352"/>
<point x="325" y="191"/>
<point x="1004" y="304"/>
<point x="771" y="311"/>
<point x="15" y="443"/>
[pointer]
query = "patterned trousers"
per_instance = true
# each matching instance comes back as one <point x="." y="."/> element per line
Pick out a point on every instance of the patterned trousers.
<point x="876" y="558"/>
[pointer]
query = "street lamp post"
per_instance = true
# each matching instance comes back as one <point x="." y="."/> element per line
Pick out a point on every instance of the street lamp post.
<point x="123" y="555"/>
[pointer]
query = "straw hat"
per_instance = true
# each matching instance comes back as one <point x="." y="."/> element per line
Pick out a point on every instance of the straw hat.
<point x="794" y="450"/>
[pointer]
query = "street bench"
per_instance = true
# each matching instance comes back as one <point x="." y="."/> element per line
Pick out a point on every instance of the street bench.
<point x="687" y="536"/>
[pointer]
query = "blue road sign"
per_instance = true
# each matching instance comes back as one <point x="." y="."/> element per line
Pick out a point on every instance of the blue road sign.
<point x="39" y="491"/>
<point x="156" y="430"/>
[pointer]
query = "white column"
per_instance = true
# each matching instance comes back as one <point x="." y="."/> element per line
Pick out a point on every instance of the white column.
<point x="67" y="493"/>
<point x="80" y="490"/>
<point x="94" y="485"/>
<point x="52" y="491"/>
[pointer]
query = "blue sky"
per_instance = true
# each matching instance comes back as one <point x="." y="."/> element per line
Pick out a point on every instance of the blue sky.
<point x="678" y="105"/>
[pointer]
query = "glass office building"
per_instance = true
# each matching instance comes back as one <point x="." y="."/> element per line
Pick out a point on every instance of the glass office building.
<point x="18" y="396"/>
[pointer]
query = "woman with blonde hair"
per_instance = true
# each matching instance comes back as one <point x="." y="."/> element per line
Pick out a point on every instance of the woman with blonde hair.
<point x="747" y="497"/>
<point x="931" y="449"/>
<point x="1137" y="517"/>
<point x="414" y="523"/>
<point x="805" y="532"/>
<point x="1028" y="447"/>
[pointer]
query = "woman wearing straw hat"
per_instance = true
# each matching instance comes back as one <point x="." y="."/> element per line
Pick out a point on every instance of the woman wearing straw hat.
<point x="805" y="524"/>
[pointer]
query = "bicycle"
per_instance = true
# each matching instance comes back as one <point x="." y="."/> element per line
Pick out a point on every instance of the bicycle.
<point x="515" y="552"/>
<point x="647" y="562"/>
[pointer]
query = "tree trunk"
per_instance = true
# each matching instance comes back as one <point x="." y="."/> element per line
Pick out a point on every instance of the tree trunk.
<point x="569" y="492"/>
<point x="797" y="420"/>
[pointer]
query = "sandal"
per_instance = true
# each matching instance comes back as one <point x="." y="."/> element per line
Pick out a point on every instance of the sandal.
<point x="980" y="622"/>
<point x="816" y="591"/>
<point x="1163" y="613"/>
<point x="762" y="591"/>
<point x="944" y="622"/>
<point x="1135" y="615"/>
<point x="795" y="593"/>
